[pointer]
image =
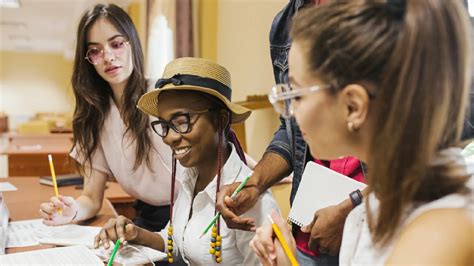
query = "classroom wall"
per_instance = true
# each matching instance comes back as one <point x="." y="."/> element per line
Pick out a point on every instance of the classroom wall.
<point x="137" y="12"/>
<point x="208" y="24"/>
<point x="34" y="82"/>
<point x="243" y="47"/>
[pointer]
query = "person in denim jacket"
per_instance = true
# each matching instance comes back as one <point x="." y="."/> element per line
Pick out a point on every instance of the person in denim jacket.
<point x="319" y="242"/>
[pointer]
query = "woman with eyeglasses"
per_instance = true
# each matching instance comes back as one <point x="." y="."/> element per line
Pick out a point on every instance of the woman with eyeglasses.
<point x="112" y="138"/>
<point x="387" y="82"/>
<point x="192" y="104"/>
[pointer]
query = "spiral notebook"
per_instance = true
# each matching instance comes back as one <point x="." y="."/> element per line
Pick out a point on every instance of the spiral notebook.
<point x="320" y="187"/>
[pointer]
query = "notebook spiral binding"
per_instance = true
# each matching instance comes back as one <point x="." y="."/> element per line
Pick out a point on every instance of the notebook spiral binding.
<point x="293" y="221"/>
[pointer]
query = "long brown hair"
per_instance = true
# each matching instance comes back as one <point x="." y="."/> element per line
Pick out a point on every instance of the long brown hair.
<point x="92" y="92"/>
<point x="416" y="55"/>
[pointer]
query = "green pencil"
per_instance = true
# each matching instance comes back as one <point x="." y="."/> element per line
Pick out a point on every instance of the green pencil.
<point x="117" y="244"/>
<point x="239" y="188"/>
<point x="111" y="259"/>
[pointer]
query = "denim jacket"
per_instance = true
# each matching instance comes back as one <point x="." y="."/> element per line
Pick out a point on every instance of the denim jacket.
<point x="287" y="140"/>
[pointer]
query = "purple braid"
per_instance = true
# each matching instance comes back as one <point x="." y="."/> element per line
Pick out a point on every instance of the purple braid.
<point x="233" y="138"/>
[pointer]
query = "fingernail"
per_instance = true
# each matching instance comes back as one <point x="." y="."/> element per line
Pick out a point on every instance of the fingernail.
<point x="122" y="239"/>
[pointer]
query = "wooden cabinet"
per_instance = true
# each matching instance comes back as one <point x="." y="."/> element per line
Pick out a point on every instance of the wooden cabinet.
<point x="28" y="155"/>
<point x="28" y="164"/>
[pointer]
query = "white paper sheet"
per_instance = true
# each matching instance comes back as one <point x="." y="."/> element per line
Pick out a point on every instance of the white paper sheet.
<point x="22" y="233"/>
<point x="129" y="256"/>
<point x="320" y="187"/>
<point x="34" y="232"/>
<point x="7" y="186"/>
<point x="68" y="235"/>
<point x="73" y="255"/>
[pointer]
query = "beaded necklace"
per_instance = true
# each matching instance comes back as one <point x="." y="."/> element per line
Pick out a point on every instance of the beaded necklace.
<point x="170" y="228"/>
<point x="216" y="239"/>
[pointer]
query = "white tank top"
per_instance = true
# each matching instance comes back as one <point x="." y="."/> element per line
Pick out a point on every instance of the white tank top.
<point x="357" y="247"/>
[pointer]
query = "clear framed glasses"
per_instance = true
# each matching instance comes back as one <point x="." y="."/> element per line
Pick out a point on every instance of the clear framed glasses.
<point x="180" y="123"/>
<point x="95" y="55"/>
<point x="282" y="96"/>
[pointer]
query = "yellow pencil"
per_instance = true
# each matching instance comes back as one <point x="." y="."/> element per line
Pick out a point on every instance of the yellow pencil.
<point x="53" y="176"/>
<point x="285" y="246"/>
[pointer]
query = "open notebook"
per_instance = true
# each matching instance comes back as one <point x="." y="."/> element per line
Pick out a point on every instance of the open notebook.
<point x="75" y="255"/>
<point x="34" y="232"/>
<point x="320" y="187"/>
<point x="68" y="235"/>
<point x="130" y="254"/>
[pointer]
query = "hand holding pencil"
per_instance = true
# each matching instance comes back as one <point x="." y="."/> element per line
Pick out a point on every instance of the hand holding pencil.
<point x="49" y="210"/>
<point x="60" y="209"/>
<point x="218" y="215"/>
<point x="53" y="176"/>
<point x="273" y="242"/>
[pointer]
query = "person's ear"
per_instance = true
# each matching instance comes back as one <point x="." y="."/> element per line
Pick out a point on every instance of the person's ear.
<point x="221" y="118"/>
<point x="224" y="117"/>
<point x="356" y="101"/>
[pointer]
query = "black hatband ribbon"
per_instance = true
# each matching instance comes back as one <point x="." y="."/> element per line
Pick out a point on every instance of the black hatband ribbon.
<point x="193" y="80"/>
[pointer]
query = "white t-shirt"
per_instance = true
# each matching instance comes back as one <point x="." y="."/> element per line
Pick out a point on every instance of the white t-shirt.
<point x="357" y="247"/>
<point x="115" y="156"/>
<point x="187" y="228"/>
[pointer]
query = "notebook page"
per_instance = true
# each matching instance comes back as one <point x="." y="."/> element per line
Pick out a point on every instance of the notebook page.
<point x="129" y="256"/>
<point x="34" y="232"/>
<point x="23" y="233"/>
<point x="73" y="255"/>
<point x="68" y="235"/>
<point x="320" y="187"/>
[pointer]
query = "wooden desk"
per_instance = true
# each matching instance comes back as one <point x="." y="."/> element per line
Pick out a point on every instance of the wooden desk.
<point x="24" y="203"/>
<point x="28" y="154"/>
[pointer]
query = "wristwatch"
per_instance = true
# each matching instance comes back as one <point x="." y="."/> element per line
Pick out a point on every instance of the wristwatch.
<point x="356" y="197"/>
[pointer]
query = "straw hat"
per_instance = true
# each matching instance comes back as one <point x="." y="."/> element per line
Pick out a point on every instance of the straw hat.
<point x="194" y="74"/>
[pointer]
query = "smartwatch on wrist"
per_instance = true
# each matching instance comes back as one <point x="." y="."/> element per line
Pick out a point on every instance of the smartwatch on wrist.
<point x="356" y="197"/>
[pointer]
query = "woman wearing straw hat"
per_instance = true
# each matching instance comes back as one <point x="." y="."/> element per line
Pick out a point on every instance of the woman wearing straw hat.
<point x="194" y="111"/>
<point x="112" y="138"/>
